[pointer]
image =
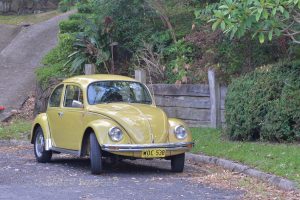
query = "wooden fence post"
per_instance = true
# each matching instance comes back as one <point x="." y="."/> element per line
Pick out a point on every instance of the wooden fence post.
<point x="140" y="75"/>
<point x="89" y="69"/>
<point x="215" y="100"/>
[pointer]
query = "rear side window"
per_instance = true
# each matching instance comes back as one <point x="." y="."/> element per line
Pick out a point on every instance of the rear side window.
<point x="73" y="93"/>
<point x="55" y="98"/>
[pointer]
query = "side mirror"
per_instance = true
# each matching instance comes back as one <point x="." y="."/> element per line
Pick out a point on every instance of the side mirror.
<point x="77" y="104"/>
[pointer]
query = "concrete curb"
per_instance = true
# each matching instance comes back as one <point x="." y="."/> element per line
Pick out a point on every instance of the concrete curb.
<point x="236" y="167"/>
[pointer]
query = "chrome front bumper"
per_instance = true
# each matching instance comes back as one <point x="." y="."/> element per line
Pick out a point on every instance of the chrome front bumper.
<point x="139" y="147"/>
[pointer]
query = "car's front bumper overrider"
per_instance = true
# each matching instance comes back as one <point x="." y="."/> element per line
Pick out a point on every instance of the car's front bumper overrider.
<point x="181" y="146"/>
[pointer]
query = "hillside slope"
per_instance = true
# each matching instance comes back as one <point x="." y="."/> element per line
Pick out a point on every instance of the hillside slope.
<point x="20" y="58"/>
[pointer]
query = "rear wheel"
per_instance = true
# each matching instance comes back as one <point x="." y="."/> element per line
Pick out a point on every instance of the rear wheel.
<point x="40" y="153"/>
<point x="177" y="163"/>
<point x="95" y="155"/>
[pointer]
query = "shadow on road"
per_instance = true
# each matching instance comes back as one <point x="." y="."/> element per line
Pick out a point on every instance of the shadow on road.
<point x="123" y="167"/>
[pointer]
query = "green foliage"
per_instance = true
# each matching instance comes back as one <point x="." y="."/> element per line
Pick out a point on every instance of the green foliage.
<point x="181" y="15"/>
<point x="133" y="22"/>
<point x="65" y="5"/>
<point x="54" y="62"/>
<point x="78" y="17"/>
<point x="181" y="52"/>
<point x="85" y="8"/>
<point x="265" y="19"/>
<point x="264" y="105"/>
<point x="90" y="47"/>
<point x="179" y="56"/>
<point x="61" y="52"/>
<point x="244" y="55"/>
<point x="70" y="26"/>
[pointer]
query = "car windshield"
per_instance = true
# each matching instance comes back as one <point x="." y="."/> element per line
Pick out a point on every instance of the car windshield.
<point x="118" y="91"/>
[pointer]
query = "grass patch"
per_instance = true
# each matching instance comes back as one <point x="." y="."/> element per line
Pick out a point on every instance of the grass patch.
<point x="16" y="129"/>
<point x="279" y="159"/>
<point x="24" y="19"/>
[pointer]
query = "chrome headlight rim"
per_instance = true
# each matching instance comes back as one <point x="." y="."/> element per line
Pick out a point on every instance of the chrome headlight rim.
<point x="179" y="135"/>
<point x="113" y="136"/>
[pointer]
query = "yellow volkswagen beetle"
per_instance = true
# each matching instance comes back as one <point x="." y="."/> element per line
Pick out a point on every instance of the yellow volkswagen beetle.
<point x="108" y="116"/>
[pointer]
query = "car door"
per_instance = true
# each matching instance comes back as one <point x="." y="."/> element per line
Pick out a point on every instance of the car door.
<point x="72" y="119"/>
<point x="54" y="114"/>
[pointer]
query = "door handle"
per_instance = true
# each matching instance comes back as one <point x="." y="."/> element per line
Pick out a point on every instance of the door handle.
<point x="60" y="114"/>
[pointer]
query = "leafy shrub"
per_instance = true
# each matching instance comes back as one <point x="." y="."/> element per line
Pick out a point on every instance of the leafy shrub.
<point x="65" y="5"/>
<point x="85" y="8"/>
<point x="265" y="104"/>
<point x="70" y="26"/>
<point x="54" y="61"/>
<point x="61" y="51"/>
<point x="180" y="56"/>
<point x="90" y="47"/>
<point x="77" y="16"/>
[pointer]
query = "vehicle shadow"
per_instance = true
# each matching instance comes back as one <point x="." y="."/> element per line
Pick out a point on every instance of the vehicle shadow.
<point x="124" y="166"/>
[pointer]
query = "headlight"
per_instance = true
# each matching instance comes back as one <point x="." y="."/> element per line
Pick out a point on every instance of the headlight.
<point x="115" y="134"/>
<point x="180" y="132"/>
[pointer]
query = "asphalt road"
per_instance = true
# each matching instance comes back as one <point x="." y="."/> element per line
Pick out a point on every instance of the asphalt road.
<point x="67" y="177"/>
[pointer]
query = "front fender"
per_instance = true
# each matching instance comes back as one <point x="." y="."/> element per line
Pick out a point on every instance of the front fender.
<point x="41" y="121"/>
<point x="101" y="128"/>
<point x="177" y="122"/>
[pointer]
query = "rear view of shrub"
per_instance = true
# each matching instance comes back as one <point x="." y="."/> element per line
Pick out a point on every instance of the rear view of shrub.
<point x="265" y="105"/>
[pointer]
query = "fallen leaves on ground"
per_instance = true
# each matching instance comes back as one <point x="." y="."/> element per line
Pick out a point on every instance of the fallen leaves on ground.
<point x="254" y="188"/>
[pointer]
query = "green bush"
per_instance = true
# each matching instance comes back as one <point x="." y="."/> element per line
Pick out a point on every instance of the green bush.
<point x="70" y="26"/>
<point x="63" y="7"/>
<point x="179" y="55"/>
<point x="84" y="8"/>
<point x="77" y="16"/>
<point x="265" y="104"/>
<point x="54" y="61"/>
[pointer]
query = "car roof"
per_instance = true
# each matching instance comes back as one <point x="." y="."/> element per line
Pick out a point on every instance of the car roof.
<point x="87" y="79"/>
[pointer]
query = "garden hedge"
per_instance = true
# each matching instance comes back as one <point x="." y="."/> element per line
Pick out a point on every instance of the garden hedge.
<point x="265" y="104"/>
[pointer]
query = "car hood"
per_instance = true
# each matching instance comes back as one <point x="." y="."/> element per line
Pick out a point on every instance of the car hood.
<point x="144" y="124"/>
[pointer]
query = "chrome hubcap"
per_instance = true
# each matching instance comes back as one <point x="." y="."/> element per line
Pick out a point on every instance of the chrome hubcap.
<point x="39" y="144"/>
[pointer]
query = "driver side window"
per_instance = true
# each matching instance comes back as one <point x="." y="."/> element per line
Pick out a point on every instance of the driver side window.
<point x="73" y="93"/>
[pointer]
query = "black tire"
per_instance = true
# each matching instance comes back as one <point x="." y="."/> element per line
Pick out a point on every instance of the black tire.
<point x="95" y="155"/>
<point x="177" y="163"/>
<point x="40" y="153"/>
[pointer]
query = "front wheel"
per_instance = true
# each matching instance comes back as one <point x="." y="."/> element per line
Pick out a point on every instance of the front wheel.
<point x="95" y="155"/>
<point x="40" y="153"/>
<point x="177" y="163"/>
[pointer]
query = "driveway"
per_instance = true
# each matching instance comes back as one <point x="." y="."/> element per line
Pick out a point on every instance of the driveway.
<point x="21" y="56"/>
<point x="7" y="34"/>
<point x="66" y="177"/>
